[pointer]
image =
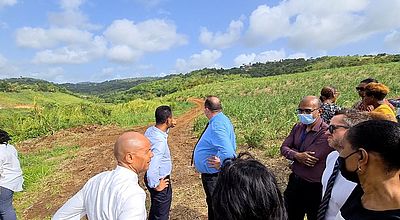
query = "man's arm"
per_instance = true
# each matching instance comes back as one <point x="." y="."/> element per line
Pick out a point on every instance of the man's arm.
<point x="158" y="149"/>
<point x="287" y="145"/>
<point x="73" y="209"/>
<point x="222" y="142"/>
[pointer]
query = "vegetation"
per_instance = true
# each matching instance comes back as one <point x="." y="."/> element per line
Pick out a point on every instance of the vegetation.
<point x="263" y="109"/>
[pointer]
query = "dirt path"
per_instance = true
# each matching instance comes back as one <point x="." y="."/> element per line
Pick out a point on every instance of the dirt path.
<point x="95" y="155"/>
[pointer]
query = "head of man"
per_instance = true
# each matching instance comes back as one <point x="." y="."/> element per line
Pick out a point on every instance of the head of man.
<point x="361" y="87"/>
<point x="164" y="117"/>
<point x="4" y="137"/>
<point x="212" y="106"/>
<point x="309" y="110"/>
<point x="340" y="123"/>
<point x="132" y="151"/>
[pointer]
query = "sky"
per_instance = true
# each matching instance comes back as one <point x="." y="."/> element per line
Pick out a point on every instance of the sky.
<point x="98" y="40"/>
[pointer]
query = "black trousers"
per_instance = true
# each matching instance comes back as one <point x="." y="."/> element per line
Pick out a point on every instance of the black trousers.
<point x="302" y="197"/>
<point x="209" y="181"/>
<point x="160" y="201"/>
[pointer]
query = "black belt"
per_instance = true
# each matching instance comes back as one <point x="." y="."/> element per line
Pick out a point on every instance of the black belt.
<point x="209" y="174"/>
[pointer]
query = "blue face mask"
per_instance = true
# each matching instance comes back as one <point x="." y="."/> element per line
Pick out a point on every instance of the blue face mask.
<point x="306" y="119"/>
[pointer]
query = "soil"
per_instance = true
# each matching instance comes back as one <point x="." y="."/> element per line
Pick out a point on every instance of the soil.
<point x="96" y="155"/>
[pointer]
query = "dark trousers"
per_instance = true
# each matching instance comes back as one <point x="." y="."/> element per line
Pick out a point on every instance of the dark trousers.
<point x="302" y="197"/>
<point x="7" y="211"/>
<point x="160" y="201"/>
<point x="209" y="181"/>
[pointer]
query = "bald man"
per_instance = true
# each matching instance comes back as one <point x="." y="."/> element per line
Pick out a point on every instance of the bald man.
<point x="114" y="194"/>
<point x="307" y="147"/>
<point x="216" y="144"/>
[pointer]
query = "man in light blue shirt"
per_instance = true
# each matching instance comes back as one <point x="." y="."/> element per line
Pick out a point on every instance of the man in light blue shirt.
<point x="216" y="144"/>
<point x="157" y="178"/>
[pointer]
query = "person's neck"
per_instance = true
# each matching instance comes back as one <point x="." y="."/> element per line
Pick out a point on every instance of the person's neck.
<point x="162" y="127"/>
<point x="382" y="193"/>
<point x="127" y="166"/>
<point x="212" y="114"/>
<point x="328" y="101"/>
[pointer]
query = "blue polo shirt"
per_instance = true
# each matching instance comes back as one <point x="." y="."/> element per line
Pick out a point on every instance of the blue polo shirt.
<point x="217" y="140"/>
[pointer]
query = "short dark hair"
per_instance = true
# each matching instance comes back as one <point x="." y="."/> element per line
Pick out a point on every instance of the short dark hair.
<point x="162" y="114"/>
<point x="328" y="92"/>
<point x="369" y="80"/>
<point x="379" y="136"/>
<point x="4" y="137"/>
<point x="213" y="103"/>
<point x="246" y="189"/>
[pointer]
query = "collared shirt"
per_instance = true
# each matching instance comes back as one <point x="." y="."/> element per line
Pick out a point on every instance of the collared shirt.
<point x="217" y="140"/>
<point x="299" y="140"/>
<point x="341" y="190"/>
<point x="386" y="110"/>
<point x="160" y="164"/>
<point x="10" y="169"/>
<point x="109" y="195"/>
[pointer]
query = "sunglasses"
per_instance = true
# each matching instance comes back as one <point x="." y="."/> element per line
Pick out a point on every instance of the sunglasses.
<point x="332" y="128"/>
<point x="306" y="110"/>
<point x="360" y="89"/>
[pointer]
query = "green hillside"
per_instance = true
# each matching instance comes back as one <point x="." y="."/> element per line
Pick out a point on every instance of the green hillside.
<point x="263" y="109"/>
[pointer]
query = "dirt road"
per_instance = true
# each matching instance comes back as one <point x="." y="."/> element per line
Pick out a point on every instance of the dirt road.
<point x="95" y="155"/>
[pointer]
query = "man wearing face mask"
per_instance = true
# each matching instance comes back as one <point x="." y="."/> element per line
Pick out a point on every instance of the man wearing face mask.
<point x="157" y="178"/>
<point x="307" y="147"/>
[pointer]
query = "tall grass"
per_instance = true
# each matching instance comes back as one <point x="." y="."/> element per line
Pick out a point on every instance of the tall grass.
<point x="263" y="109"/>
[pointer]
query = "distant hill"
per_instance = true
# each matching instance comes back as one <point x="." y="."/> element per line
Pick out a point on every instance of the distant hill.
<point x="106" y="87"/>
<point x="38" y="85"/>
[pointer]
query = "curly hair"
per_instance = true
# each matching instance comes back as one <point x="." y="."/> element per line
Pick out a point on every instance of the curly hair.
<point x="4" y="137"/>
<point x="377" y="90"/>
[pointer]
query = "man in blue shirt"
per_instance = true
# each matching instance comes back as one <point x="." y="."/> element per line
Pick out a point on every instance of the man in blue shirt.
<point x="216" y="144"/>
<point x="157" y="178"/>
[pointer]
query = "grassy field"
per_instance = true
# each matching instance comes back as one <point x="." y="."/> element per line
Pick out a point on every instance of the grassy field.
<point x="263" y="109"/>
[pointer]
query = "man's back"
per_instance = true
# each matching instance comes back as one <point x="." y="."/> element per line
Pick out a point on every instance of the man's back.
<point x="108" y="195"/>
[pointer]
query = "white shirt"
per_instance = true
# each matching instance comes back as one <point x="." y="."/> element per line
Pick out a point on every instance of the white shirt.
<point x="109" y="195"/>
<point x="341" y="190"/>
<point x="10" y="169"/>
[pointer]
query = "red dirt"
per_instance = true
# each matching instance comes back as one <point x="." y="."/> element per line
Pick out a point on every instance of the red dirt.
<point x="95" y="155"/>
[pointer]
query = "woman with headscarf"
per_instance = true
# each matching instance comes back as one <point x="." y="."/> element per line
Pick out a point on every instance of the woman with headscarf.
<point x="375" y="94"/>
<point x="370" y="159"/>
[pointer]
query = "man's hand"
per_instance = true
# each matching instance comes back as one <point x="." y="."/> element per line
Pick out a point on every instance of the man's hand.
<point x="163" y="184"/>
<point x="214" y="162"/>
<point x="306" y="158"/>
<point x="369" y="108"/>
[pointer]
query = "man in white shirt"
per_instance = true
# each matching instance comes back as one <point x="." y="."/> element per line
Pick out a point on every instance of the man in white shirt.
<point x="10" y="176"/>
<point x="336" y="193"/>
<point x="114" y="194"/>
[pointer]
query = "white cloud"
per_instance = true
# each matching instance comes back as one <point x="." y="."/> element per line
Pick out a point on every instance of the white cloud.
<point x="40" y="38"/>
<point x="72" y="54"/>
<point x="71" y="16"/>
<point x="4" y="3"/>
<point x="124" y="54"/>
<point x="148" y="36"/>
<point x="222" y="40"/>
<point x="271" y="55"/>
<point x="322" y="24"/>
<point x="6" y="68"/>
<point x="207" y="58"/>
<point x="392" y="40"/>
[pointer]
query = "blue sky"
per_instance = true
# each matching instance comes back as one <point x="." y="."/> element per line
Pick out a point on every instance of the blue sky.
<point x="98" y="40"/>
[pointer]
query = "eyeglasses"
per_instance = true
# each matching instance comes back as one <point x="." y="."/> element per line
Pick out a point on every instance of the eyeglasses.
<point x="360" y="89"/>
<point x="306" y="110"/>
<point x="332" y="128"/>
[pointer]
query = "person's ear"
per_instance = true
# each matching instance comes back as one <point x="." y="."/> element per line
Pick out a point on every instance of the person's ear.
<point x="363" y="161"/>
<point x="129" y="158"/>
